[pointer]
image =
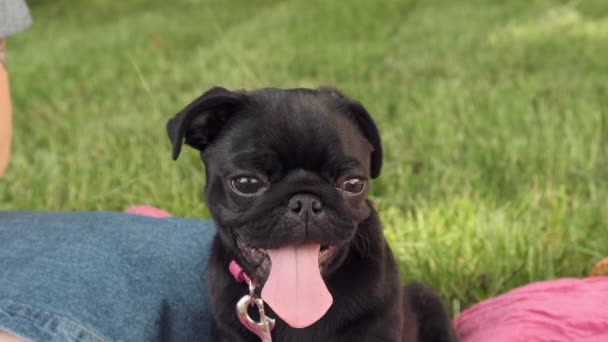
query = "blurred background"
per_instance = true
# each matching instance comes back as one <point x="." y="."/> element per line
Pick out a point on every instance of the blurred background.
<point x="494" y="117"/>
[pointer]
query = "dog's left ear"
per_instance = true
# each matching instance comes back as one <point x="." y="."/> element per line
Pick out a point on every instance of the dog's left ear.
<point x="359" y="115"/>
<point x="200" y="122"/>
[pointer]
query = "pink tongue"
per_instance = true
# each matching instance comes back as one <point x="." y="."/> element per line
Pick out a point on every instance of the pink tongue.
<point x="295" y="290"/>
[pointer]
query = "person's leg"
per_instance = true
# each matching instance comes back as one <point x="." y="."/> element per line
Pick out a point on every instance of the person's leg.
<point x="103" y="276"/>
<point x="5" y="112"/>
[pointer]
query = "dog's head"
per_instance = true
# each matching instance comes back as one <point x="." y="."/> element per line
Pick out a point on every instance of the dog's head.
<point x="283" y="168"/>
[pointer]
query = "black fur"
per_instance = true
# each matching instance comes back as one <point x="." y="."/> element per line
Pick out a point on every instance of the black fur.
<point x="302" y="142"/>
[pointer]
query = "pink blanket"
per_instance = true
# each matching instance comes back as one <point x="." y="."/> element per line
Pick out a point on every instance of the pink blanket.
<point x="557" y="310"/>
<point x="146" y="210"/>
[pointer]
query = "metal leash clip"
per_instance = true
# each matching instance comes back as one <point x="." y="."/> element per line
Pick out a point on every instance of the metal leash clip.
<point x="265" y="325"/>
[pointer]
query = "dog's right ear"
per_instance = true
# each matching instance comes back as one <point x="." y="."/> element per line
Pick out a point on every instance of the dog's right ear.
<point x="200" y="122"/>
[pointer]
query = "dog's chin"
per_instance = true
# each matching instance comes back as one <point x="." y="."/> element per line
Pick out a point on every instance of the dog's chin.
<point x="259" y="260"/>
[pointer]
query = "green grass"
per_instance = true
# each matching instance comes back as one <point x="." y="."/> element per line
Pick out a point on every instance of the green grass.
<point x="494" y="116"/>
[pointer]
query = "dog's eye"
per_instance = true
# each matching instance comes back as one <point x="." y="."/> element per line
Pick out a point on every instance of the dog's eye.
<point x="246" y="185"/>
<point x="353" y="186"/>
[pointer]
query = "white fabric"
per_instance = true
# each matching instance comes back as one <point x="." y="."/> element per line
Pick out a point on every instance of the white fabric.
<point x="14" y="17"/>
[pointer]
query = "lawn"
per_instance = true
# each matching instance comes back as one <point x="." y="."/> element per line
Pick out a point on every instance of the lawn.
<point x="494" y="117"/>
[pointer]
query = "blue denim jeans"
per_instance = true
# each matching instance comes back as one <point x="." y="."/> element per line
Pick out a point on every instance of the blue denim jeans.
<point x="104" y="277"/>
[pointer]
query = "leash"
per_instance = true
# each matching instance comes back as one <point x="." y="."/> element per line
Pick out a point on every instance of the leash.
<point x="262" y="328"/>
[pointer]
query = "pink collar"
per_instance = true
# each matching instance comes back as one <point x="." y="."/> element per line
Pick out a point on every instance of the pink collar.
<point x="238" y="272"/>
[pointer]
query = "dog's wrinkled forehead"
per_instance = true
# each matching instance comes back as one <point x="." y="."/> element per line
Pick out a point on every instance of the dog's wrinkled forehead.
<point x="279" y="128"/>
<point x="295" y="129"/>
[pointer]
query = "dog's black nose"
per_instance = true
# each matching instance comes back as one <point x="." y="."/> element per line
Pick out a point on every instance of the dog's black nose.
<point x="304" y="204"/>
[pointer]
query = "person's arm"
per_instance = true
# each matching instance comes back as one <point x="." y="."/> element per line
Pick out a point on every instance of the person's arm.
<point x="5" y="337"/>
<point x="5" y="113"/>
<point x="14" y="18"/>
<point x="5" y="141"/>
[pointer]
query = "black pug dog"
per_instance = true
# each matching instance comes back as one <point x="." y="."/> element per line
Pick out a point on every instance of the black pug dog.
<point x="287" y="178"/>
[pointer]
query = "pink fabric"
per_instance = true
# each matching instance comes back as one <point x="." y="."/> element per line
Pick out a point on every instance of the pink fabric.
<point x="146" y="210"/>
<point x="557" y="310"/>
